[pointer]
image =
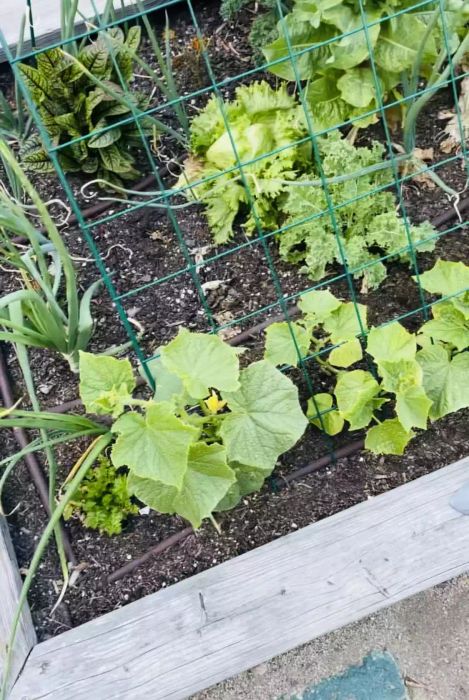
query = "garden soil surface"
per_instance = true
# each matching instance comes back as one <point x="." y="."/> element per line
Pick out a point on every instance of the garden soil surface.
<point x="139" y="248"/>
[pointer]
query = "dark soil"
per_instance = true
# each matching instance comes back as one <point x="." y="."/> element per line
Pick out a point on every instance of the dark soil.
<point x="141" y="248"/>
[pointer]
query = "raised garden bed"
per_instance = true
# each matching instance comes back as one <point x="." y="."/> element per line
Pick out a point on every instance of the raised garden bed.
<point x="352" y="555"/>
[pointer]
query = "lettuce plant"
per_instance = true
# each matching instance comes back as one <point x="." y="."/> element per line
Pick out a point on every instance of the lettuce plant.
<point x="212" y="433"/>
<point x="261" y="120"/>
<point x="417" y="376"/>
<point x="285" y="187"/>
<point x="77" y="96"/>
<point x="341" y="83"/>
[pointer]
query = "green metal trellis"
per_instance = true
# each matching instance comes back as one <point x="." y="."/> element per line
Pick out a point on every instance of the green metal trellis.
<point x="167" y="199"/>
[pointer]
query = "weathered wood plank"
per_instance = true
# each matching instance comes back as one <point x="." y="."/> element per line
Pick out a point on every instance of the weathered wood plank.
<point x="46" y="18"/>
<point x="223" y="621"/>
<point x="10" y="585"/>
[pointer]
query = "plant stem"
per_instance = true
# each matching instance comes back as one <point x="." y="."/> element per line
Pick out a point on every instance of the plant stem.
<point x="98" y="448"/>
<point x="420" y="103"/>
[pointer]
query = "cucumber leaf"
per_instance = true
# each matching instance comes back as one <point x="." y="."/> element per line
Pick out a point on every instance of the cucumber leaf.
<point x="356" y="394"/>
<point x="155" y="445"/>
<point x="265" y="420"/>
<point x="388" y="438"/>
<point x="206" y="481"/>
<point x="331" y="422"/>
<point x="448" y="325"/>
<point x="346" y="354"/>
<point x="279" y="344"/>
<point x="105" y="383"/>
<point x="202" y="361"/>
<point x="445" y="380"/>
<point x="391" y="343"/>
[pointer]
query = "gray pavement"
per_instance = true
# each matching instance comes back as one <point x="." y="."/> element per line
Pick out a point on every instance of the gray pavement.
<point x="427" y="634"/>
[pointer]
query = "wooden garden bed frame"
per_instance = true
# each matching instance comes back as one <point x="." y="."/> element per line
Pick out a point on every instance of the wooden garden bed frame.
<point x="216" y="624"/>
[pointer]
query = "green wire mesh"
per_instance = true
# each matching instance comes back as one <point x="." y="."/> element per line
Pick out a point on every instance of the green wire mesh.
<point x="169" y="200"/>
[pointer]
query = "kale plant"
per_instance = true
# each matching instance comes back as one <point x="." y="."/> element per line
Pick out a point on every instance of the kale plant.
<point x="341" y="80"/>
<point x="417" y="376"/>
<point x="76" y="97"/>
<point x="365" y="218"/>
<point x="102" y="500"/>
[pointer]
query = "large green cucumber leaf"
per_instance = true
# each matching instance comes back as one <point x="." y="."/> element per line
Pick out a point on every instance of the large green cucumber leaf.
<point x="357" y="399"/>
<point x="445" y="380"/>
<point x="445" y="278"/>
<point x="318" y="304"/>
<point x="155" y="445"/>
<point x="105" y="383"/>
<point x="266" y="418"/>
<point x="248" y="480"/>
<point x="346" y="354"/>
<point x="206" y="481"/>
<point x="331" y="422"/>
<point x="448" y="325"/>
<point x="202" y="361"/>
<point x="391" y="343"/>
<point x="388" y="438"/>
<point x="400" y="375"/>
<point x="346" y="322"/>
<point x="279" y="345"/>
<point x="412" y="407"/>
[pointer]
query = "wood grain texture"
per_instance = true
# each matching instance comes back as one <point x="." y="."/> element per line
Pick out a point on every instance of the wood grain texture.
<point x="241" y="613"/>
<point x="46" y="18"/>
<point x="10" y="586"/>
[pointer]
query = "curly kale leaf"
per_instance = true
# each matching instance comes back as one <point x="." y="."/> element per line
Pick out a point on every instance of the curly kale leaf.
<point x="102" y="500"/>
<point x="363" y="227"/>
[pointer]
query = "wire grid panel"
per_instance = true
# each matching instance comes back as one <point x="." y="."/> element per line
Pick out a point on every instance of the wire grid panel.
<point x="170" y="199"/>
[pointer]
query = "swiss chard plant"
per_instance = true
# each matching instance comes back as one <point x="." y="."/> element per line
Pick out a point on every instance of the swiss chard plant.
<point x="212" y="433"/>
<point x="413" y="377"/>
<point x="341" y="77"/>
<point x="102" y="501"/>
<point x="78" y="95"/>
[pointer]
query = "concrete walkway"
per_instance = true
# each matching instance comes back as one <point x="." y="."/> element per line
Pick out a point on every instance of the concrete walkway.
<point x="428" y="635"/>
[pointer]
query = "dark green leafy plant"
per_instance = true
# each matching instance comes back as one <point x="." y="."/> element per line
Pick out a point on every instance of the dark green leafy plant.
<point x="417" y="376"/>
<point x="212" y="433"/>
<point x="77" y="96"/>
<point x="102" y="500"/>
<point x="341" y="84"/>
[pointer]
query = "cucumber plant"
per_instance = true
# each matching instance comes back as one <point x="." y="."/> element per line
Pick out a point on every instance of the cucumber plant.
<point x="415" y="377"/>
<point x="211" y="434"/>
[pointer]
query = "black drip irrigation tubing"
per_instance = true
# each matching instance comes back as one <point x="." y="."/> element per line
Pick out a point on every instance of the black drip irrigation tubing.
<point x="36" y="471"/>
<point x="276" y="484"/>
<point x="34" y="468"/>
